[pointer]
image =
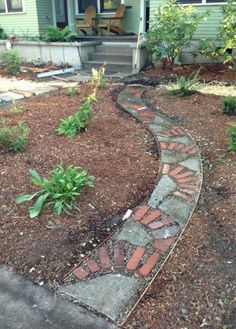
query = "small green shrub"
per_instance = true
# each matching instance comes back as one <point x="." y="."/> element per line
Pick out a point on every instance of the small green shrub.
<point x="71" y="91"/>
<point x="16" y="109"/>
<point x="185" y="86"/>
<point x="3" y="35"/>
<point x="229" y="105"/>
<point x="13" y="139"/>
<point x="98" y="77"/>
<point x="55" y="34"/>
<point x="232" y="137"/>
<point x="13" y="61"/>
<point x="59" y="191"/>
<point x="91" y="98"/>
<point x="73" y="124"/>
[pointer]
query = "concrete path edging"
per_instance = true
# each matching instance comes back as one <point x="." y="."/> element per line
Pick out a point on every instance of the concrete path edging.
<point x="115" y="276"/>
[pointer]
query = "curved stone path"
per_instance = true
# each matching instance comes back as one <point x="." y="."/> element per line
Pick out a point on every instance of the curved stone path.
<point x="117" y="274"/>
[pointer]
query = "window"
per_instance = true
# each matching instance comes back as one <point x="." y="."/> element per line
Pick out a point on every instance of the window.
<point x="100" y="5"/>
<point x="11" y="6"/>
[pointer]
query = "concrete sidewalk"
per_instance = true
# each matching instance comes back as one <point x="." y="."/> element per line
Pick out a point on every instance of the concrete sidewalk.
<point x="26" y="306"/>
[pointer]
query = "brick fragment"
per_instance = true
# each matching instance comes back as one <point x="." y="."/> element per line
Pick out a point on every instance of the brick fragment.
<point x="135" y="258"/>
<point x="193" y="151"/>
<point x="185" y="174"/>
<point x="104" y="258"/>
<point x="163" y="145"/>
<point x="184" y="196"/>
<point x="166" y="169"/>
<point x="140" y="212"/>
<point x="157" y="224"/>
<point x="187" y="179"/>
<point x="163" y="244"/>
<point x="180" y="131"/>
<point x="151" y="217"/>
<point x="171" y="146"/>
<point x="174" y="132"/>
<point x="180" y="147"/>
<point x="119" y="261"/>
<point x="188" y="191"/>
<point x="93" y="265"/>
<point x="186" y="149"/>
<point x="176" y="171"/>
<point x="80" y="273"/>
<point x="149" y="264"/>
<point x="189" y="186"/>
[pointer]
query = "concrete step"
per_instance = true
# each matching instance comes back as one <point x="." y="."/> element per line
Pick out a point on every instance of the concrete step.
<point x="110" y="67"/>
<point x="115" y="49"/>
<point x="110" y="57"/>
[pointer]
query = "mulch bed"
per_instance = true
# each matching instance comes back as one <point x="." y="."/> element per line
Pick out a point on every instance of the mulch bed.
<point x="115" y="149"/>
<point x="195" y="289"/>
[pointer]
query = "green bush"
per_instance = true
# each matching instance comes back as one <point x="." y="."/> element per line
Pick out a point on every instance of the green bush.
<point x="12" y="60"/>
<point x="55" y="34"/>
<point x="3" y="35"/>
<point x="232" y="137"/>
<point x="73" y="124"/>
<point x="229" y="105"/>
<point x="172" y="29"/>
<point x="13" y="139"/>
<point x="185" y="86"/>
<point x="59" y="191"/>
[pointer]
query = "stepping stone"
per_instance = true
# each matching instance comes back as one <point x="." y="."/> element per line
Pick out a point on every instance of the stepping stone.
<point x="164" y="187"/>
<point x="10" y="96"/>
<point x="192" y="163"/>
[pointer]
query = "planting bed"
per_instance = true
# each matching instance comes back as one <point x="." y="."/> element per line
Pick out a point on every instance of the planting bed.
<point x="115" y="149"/>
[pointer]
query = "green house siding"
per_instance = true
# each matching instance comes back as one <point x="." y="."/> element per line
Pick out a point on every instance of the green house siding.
<point x="45" y="14"/>
<point x="207" y="28"/>
<point x="22" y="24"/>
<point x="132" y="14"/>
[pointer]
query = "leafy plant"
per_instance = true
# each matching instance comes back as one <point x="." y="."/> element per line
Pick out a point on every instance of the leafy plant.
<point x="16" y="109"/>
<point x="54" y="34"/>
<point x="98" y="77"/>
<point x="3" y="35"/>
<point x="172" y="29"/>
<point x="13" y="61"/>
<point x="91" y="98"/>
<point x="229" y="105"/>
<point x="71" y="91"/>
<point x="59" y="191"/>
<point x="185" y="86"/>
<point x="207" y="47"/>
<point x="232" y="137"/>
<point x="13" y="139"/>
<point x="73" y="124"/>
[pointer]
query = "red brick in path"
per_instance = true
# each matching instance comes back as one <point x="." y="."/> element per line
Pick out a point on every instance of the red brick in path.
<point x="135" y="258"/>
<point x="80" y="273"/>
<point x="166" y="169"/>
<point x="119" y="260"/>
<point x="93" y="266"/>
<point x="163" y="245"/>
<point x="149" y="264"/>
<point x="151" y="217"/>
<point x="140" y="212"/>
<point x="104" y="258"/>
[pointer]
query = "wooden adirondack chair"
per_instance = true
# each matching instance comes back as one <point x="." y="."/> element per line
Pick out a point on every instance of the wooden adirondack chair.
<point x="112" y="24"/>
<point x="88" y="21"/>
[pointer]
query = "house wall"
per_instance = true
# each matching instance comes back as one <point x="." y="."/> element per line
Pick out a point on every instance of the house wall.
<point x="22" y="24"/>
<point x="206" y="29"/>
<point x="132" y="14"/>
<point x="45" y="14"/>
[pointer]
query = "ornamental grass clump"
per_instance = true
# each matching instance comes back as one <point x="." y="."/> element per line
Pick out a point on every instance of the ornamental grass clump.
<point x="232" y="137"/>
<point x="13" y="138"/>
<point x="229" y="105"/>
<point x="185" y="86"/>
<point x="59" y="191"/>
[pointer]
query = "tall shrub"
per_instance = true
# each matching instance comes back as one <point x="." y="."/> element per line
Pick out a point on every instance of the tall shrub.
<point x="172" y="29"/>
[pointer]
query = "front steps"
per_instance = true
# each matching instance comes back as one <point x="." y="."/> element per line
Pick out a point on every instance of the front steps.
<point x="117" y="58"/>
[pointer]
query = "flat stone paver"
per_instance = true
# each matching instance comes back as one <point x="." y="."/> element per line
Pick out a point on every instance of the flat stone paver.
<point x="165" y="186"/>
<point x="9" y="97"/>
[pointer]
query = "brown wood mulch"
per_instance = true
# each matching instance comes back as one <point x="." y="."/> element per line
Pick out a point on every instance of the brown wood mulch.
<point x="195" y="289"/>
<point x="115" y="149"/>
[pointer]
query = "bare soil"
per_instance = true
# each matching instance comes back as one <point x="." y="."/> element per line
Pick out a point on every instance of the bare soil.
<point x="115" y="149"/>
<point x="196" y="287"/>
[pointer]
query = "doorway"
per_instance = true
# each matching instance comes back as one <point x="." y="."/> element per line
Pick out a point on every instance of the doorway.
<point x="61" y="10"/>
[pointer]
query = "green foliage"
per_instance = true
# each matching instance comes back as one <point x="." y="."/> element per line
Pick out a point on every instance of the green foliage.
<point x="13" y="139"/>
<point x="73" y="124"/>
<point x="3" y="35"/>
<point x="71" y="91"/>
<point x="98" y="77"/>
<point x="16" y="109"/>
<point x="232" y="137"/>
<point x="172" y="29"/>
<point x="226" y="36"/>
<point x="185" y="86"/>
<point x="13" y="61"/>
<point x="229" y="105"/>
<point x="55" y="34"/>
<point x="59" y="191"/>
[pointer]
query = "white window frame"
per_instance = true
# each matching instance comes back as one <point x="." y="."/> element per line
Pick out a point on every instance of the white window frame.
<point x="98" y="8"/>
<point x="205" y="3"/>
<point x="14" y="12"/>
